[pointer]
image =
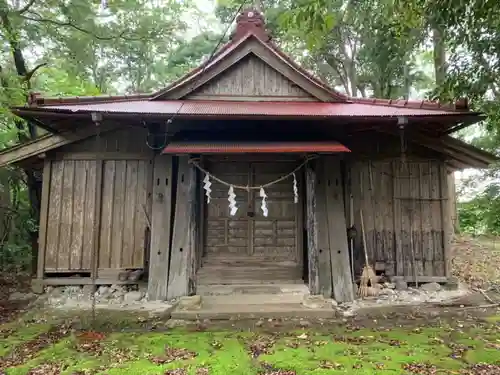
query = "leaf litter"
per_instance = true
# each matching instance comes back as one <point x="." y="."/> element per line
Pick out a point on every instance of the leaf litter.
<point x="173" y="354"/>
<point x="28" y="350"/>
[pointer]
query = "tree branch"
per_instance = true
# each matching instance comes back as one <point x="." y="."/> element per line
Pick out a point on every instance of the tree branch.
<point x="28" y="75"/>
<point x="26" y="7"/>
<point x="39" y="18"/>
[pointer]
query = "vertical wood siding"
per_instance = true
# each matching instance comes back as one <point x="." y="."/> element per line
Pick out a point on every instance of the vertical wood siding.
<point x="71" y="214"/>
<point x="249" y="78"/>
<point x="405" y="210"/>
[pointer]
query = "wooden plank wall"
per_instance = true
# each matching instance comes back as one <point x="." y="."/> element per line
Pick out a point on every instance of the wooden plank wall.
<point x="69" y="233"/>
<point x="405" y="211"/>
<point x="71" y="216"/>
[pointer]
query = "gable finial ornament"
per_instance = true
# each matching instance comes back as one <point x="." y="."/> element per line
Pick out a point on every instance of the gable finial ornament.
<point x="252" y="21"/>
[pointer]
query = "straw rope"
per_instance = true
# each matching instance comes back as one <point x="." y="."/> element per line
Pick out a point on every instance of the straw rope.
<point x="248" y="188"/>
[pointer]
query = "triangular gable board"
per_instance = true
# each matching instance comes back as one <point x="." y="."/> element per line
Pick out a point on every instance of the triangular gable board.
<point x="251" y="79"/>
<point x="240" y="51"/>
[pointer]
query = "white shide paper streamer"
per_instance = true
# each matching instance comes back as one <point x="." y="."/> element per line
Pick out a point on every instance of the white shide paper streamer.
<point x="206" y="185"/>
<point x="295" y="190"/>
<point x="263" y="206"/>
<point x="232" y="201"/>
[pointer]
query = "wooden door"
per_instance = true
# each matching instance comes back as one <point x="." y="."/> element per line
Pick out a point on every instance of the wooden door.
<point x="250" y="247"/>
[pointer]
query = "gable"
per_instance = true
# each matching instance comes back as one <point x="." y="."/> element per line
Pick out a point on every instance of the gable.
<point x="251" y="79"/>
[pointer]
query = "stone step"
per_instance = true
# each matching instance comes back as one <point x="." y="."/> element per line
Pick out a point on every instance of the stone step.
<point x="252" y="299"/>
<point x="238" y="311"/>
<point x="222" y="289"/>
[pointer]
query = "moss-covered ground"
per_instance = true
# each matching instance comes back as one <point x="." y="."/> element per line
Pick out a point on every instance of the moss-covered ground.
<point x="37" y="344"/>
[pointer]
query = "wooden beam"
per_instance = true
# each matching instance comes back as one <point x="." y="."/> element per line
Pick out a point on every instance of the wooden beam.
<point x="182" y="258"/>
<point x="160" y="228"/>
<point x="103" y="155"/>
<point x="44" y="211"/>
<point x="343" y="290"/>
<point x="312" y="230"/>
<point x="46" y="143"/>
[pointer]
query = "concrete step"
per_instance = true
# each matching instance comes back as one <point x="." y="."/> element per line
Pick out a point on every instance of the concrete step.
<point x="238" y="311"/>
<point x="231" y="289"/>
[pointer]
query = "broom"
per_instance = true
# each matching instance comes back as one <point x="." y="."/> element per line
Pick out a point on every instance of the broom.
<point x="368" y="276"/>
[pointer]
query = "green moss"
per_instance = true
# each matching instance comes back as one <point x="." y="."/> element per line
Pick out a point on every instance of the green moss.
<point x="328" y="350"/>
<point x="22" y="333"/>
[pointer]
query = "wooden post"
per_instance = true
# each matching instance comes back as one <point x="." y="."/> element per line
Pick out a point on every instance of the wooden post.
<point x="182" y="271"/>
<point x="312" y="234"/>
<point x="341" y="278"/>
<point x="44" y="211"/>
<point x="396" y="204"/>
<point x="321" y="220"/>
<point x="159" y="257"/>
<point x="99" y="164"/>
<point x="445" y="218"/>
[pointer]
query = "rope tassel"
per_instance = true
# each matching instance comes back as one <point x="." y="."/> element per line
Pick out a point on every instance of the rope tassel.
<point x="232" y="201"/>
<point x="263" y="206"/>
<point x="206" y="185"/>
<point x="295" y="190"/>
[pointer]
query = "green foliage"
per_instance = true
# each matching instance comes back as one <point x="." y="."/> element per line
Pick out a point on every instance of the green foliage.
<point x="481" y="215"/>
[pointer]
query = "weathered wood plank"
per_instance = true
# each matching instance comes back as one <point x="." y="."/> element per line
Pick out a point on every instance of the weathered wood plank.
<point x="78" y="215"/>
<point x="312" y="233"/>
<point x="66" y="223"/>
<point x="181" y="273"/>
<point x="343" y="290"/>
<point x="160" y="228"/>
<point x="142" y="209"/>
<point x="44" y="217"/>
<point x="88" y="226"/>
<point x="130" y="214"/>
<point x="119" y="203"/>
<point x="53" y="227"/>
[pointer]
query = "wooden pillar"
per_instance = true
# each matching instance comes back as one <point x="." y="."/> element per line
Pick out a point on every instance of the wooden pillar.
<point x="336" y="231"/>
<point x="159" y="256"/>
<point x="181" y="280"/>
<point x="44" y="212"/>
<point x="312" y="230"/>
<point x="445" y="218"/>
<point x="324" y="267"/>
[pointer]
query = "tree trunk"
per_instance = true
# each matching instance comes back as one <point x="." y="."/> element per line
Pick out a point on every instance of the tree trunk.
<point x="26" y="131"/>
<point x="439" y="51"/>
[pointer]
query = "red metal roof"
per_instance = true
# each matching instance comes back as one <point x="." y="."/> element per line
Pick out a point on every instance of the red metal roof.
<point x="190" y="108"/>
<point x="265" y="147"/>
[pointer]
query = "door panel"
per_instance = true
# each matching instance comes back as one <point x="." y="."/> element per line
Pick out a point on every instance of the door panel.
<point x="249" y="233"/>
